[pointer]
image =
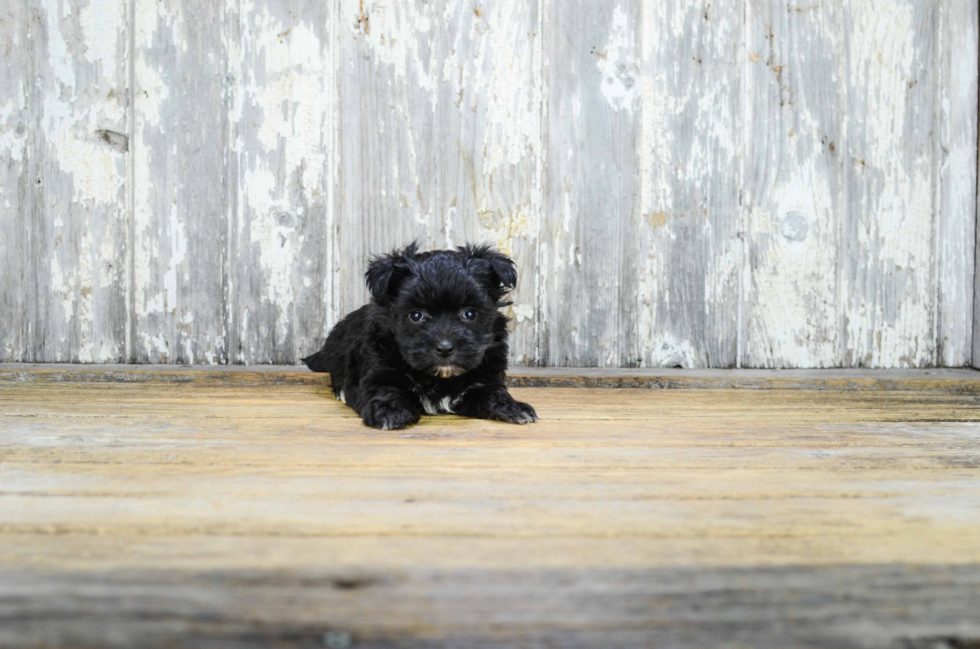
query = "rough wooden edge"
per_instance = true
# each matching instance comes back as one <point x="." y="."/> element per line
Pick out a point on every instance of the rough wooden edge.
<point x="975" y="343"/>
<point x="958" y="381"/>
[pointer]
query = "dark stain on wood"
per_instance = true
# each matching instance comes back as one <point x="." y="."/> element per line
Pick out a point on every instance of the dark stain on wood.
<point x="114" y="139"/>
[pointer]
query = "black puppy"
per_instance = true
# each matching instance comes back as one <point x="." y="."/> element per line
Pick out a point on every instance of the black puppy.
<point x="431" y="340"/>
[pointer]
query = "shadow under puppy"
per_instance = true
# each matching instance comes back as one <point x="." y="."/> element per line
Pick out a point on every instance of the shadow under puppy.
<point x="432" y="340"/>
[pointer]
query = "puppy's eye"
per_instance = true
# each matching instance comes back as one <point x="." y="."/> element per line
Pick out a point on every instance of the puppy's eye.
<point x="469" y="314"/>
<point x="416" y="316"/>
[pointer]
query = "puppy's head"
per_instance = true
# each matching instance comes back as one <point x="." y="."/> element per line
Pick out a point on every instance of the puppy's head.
<point x="442" y="304"/>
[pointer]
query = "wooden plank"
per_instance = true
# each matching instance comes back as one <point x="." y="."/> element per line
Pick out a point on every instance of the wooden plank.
<point x="778" y="607"/>
<point x="588" y="275"/>
<point x="946" y="380"/>
<point x="186" y="462"/>
<point x="388" y="92"/>
<point x="18" y="292"/>
<point x="889" y="279"/>
<point x="251" y="225"/>
<point x="687" y="251"/>
<point x="791" y="192"/>
<point x="286" y="142"/>
<point x="976" y="279"/>
<point x="635" y="405"/>
<point x="173" y="514"/>
<point x="441" y="116"/>
<point x="181" y="175"/>
<point x="79" y="155"/>
<point x="957" y="181"/>
<point x="490" y="121"/>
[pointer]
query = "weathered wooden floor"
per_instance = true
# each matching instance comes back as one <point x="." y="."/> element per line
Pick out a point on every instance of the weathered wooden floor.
<point x="251" y="509"/>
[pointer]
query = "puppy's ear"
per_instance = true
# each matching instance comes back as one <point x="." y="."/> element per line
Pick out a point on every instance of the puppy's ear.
<point x="498" y="271"/>
<point x="386" y="272"/>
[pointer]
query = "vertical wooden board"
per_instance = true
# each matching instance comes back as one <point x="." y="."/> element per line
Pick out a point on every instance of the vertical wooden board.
<point x="179" y="149"/>
<point x="17" y="287"/>
<point x="441" y="138"/>
<point x="287" y="168"/>
<point x="976" y="263"/>
<point x="889" y="284"/>
<point x="79" y="153"/>
<point x="791" y="188"/>
<point x="489" y="118"/>
<point x="688" y="252"/>
<point x="588" y="281"/>
<point x="390" y="77"/>
<point x="957" y="181"/>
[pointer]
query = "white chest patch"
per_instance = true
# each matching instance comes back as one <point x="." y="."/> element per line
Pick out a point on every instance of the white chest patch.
<point x="445" y="405"/>
<point x="429" y="407"/>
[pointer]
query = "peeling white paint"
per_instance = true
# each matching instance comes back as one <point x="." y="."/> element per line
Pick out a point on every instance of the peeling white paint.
<point x="292" y="100"/>
<point x="103" y="23"/>
<point x="512" y="132"/>
<point x="687" y="155"/>
<point x="178" y="251"/>
<point x="275" y="242"/>
<point x="151" y="93"/>
<point x="60" y="59"/>
<point x="64" y="286"/>
<point x="68" y="125"/>
<point x="13" y="143"/>
<point x="97" y="171"/>
<point x="285" y="112"/>
<point x="155" y="348"/>
<point x="83" y="278"/>
<point x="463" y="91"/>
<point x="523" y="312"/>
<point x="617" y="63"/>
<point x="893" y="325"/>
<point x="656" y="136"/>
<point x="667" y="351"/>
<point x="395" y="33"/>
<point x="81" y="178"/>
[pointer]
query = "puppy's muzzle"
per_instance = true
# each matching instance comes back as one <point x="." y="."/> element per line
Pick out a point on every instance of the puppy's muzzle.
<point x="447" y="371"/>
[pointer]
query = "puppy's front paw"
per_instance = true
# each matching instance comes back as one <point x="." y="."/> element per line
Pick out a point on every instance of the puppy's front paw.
<point x="386" y="416"/>
<point x="514" y="412"/>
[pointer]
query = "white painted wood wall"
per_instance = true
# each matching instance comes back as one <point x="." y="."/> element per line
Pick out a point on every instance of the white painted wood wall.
<point x="705" y="184"/>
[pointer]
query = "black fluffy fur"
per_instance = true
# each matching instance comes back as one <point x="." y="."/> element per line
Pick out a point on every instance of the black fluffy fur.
<point x="386" y="366"/>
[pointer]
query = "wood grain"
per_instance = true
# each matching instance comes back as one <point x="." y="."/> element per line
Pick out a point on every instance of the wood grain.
<point x="943" y="380"/>
<point x="743" y="183"/>
<point x="18" y="288"/>
<point x="686" y="250"/>
<point x="215" y="513"/>
<point x="441" y="116"/>
<point x="889" y="233"/>
<point x="593" y="95"/>
<point x="78" y="200"/>
<point x="791" y="197"/>
<point x="285" y="118"/>
<point x="181" y="176"/>
<point x="976" y="280"/>
<point x="716" y="607"/>
<point x="957" y="181"/>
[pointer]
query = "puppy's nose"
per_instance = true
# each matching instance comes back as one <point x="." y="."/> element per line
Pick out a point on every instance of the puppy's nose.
<point x="445" y="347"/>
